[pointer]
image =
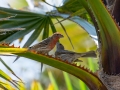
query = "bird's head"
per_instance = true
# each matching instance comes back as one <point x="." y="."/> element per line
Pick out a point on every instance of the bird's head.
<point x="59" y="46"/>
<point x="57" y="35"/>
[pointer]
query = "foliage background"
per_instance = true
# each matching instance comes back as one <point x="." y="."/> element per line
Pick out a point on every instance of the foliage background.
<point x="30" y="70"/>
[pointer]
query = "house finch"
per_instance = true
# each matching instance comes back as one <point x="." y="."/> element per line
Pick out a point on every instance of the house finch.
<point x="46" y="45"/>
<point x="71" y="56"/>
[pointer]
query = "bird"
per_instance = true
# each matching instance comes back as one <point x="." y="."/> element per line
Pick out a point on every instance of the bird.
<point x="46" y="45"/>
<point x="71" y="56"/>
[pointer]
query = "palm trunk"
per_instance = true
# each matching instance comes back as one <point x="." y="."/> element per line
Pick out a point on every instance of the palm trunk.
<point x="110" y="53"/>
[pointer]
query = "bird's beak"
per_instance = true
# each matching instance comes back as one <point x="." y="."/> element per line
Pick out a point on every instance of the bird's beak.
<point x="61" y="36"/>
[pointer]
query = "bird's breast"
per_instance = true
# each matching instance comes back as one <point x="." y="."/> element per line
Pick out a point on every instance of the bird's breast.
<point x="53" y="43"/>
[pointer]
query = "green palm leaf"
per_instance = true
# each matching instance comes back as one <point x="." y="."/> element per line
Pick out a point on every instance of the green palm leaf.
<point x="80" y="72"/>
<point x="28" y="20"/>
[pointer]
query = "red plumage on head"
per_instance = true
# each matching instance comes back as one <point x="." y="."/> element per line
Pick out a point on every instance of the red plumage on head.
<point x="56" y="36"/>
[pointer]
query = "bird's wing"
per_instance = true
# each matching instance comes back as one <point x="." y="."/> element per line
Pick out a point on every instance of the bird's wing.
<point x="67" y="57"/>
<point x="64" y="55"/>
<point x="41" y="44"/>
<point x="46" y="41"/>
<point x="63" y="52"/>
<point x="66" y="52"/>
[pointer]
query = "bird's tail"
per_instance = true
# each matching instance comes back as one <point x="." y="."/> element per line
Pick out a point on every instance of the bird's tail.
<point x="89" y="54"/>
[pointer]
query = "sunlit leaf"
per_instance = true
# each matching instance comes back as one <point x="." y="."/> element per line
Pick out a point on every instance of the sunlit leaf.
<point x="79" y="72"/>
<point x="84" y="75"/>
<point x="67" y="80"/>
<point x="7" y="78"/>
<point x="12" y="50"/>
<point x="18" y="3"/>
<point x="36" y="85"/>
<point x="52" y="79"/>
<point x="9" y="68"/>
<point x="82" y="85"/>
<point x="3" y="87"/>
